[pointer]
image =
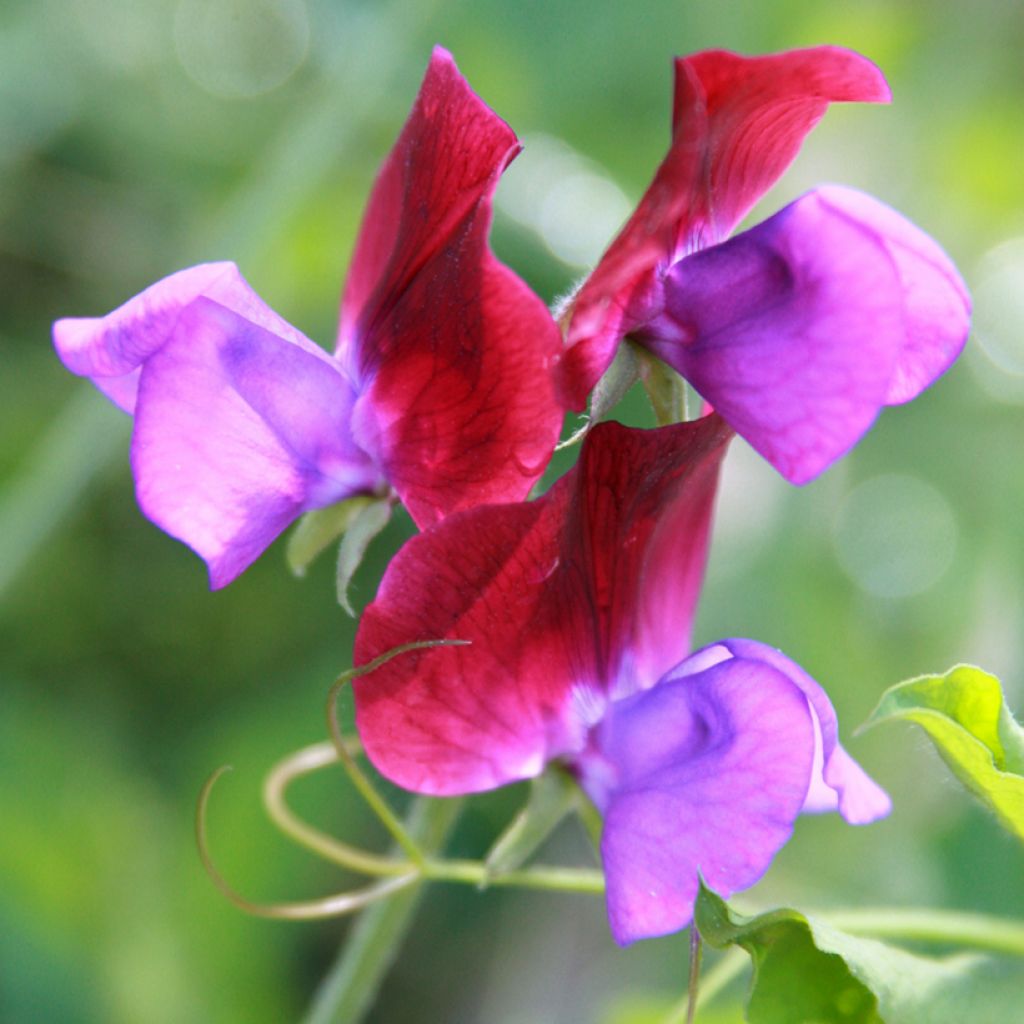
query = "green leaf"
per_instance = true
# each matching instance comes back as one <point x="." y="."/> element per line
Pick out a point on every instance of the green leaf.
<point x="552" y="796"/>
<point x="316" y="529"/>
<point x="366" y="524"/>
<point x="966" y="718"/>
<point x="806" y="970"/>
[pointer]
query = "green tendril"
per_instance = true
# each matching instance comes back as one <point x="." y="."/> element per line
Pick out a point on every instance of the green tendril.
<point x="359" y="778"/>
<point x="275" y="787"/>
<point x="335" y="905"/>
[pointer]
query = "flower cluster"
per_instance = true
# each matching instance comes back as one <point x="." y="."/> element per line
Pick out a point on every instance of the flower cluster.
<point x="447" y="389"/>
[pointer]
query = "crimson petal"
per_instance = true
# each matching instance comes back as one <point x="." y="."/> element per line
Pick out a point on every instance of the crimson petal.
<point x="451" y="352"/>
<point x="582" y="596"/>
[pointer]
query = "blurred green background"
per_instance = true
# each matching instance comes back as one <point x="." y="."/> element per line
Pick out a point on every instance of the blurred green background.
<point x="138" y="136"/>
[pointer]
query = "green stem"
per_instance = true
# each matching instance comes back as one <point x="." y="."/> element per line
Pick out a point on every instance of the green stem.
<point x="693" y="984"/>
<point x="941" y="927"/>
<point x="478" y="873"/>
<point x="728" y="967"/>
<point x="349" y="989"/>
<point x="555" y="879"/>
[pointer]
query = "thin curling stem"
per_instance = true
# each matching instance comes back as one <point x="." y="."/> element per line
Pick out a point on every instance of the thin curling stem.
<point x="551" y="878"/>
<point x="275" y="787"/>
<point x="359" y="778"/>
<point x="335" y="905"/>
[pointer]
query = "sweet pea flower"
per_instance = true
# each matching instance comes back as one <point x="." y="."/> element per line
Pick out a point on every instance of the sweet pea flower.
<point x="439" y="386"/>
<point x="578" y="608"/>
<point x="801" y="329"/>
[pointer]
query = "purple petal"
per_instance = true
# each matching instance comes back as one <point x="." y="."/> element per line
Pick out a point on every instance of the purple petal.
<point x="801" y="329"/>
<point x="237" y="431"/>
<point x="737" y="123"/>
<point x="110" y="349"/>
<point x="702" y="774"/>
<point x="838" y="782"/>
<point x="936" y="305"/>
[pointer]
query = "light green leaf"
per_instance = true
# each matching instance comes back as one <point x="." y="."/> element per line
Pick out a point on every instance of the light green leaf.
<point x="316" y="529"/>
<point x="966" y="718"/>
<point x="366" y="524"/>
<point x="552" y="796"/>
<point x="806" y="970"/>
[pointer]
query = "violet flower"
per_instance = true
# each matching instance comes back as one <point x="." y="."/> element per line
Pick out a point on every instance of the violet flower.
<point x="801" y="329"/>
<point x="439" y="386"/>
<point x="578" y="607"/>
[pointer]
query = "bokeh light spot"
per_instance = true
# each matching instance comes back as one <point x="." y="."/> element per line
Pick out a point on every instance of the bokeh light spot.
<point x="563" y="197"/>
<point x="241" y="48"/>
<point x="895" y="535"/>
<point x="999" y="306"/>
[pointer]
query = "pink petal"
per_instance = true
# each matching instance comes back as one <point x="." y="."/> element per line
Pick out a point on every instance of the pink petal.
<point x="451" y="351"/>
<point x="738" y="122"/>
<point x="708" y="773"/>
<point x="794" y="331"/>
<point x="111" y="349"/>
<point x="585" y="591"/>
<point x="237" y="431"/>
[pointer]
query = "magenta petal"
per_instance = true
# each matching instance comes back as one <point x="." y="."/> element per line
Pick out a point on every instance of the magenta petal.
<point x="737" y="124"/>
<point x="110" y="349"/>
<point x="589" y="589"/>
<point x="237" y="431"/>
<point x="838" y="783"/>
<point x="793" y="331"/>
<point x="451" y="351"/>
<point x="703" y="774"/>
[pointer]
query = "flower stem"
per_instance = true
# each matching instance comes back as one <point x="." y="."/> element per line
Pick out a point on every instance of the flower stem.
<point x="349" y="989"/>
<point x="555" y="879"/>
<point x="728" y="967"/>
<point x="943" y="927"/>
<point x="694" y="982"/>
